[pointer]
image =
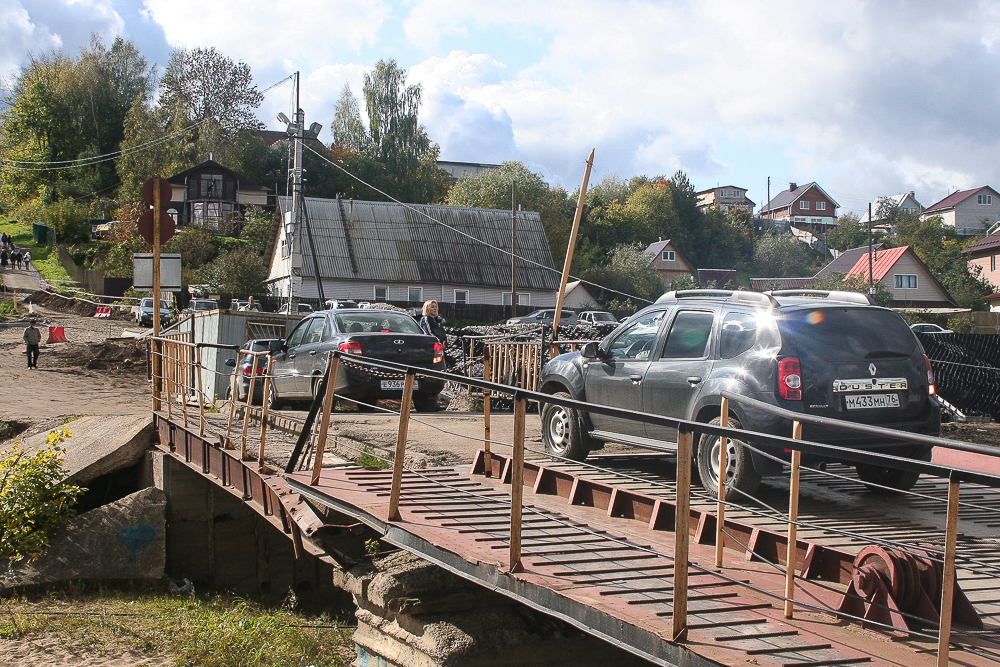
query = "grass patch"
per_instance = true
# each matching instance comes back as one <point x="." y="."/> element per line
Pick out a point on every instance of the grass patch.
<point x="208" y="630"/>
<point x="366" y="460"/>
<point x="20" y="232"/>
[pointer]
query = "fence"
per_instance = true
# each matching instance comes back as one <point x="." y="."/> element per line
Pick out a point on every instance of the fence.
<point x="966" y="370"/>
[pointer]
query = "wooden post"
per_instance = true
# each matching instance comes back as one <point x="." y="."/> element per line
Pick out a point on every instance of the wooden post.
<point x="720" y="507"/>
<point x="397" y="464"/>
<point x="569" y="250"/>
<point x="487" y="397"/>
<point x="333" y="367"/>
<point x="682" y="533"/>
<point x="184" y="351"/>
<point x="263" y="409"/>
<point x="157" y="365"/>
<point x="244" y="453"/>
<point x="167" y="372"/>
<point x="233" y="397"/>
<point x="517" y="482"/>
<point x="201" y="394"/>
<point x="948" y="579"/>
<point x="793" y="517"/>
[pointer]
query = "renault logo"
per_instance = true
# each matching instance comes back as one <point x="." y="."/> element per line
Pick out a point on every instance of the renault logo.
<point x="401" y="342"/>
<point x="872" y="369"/>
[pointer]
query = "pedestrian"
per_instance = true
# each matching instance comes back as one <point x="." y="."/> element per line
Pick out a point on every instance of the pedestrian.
<point x="432" y="324"/>
<point x="17" y="259"/>
<point x="3" y="259"/>
<point x="32" y="338"/>
<point x="26" y="258"/>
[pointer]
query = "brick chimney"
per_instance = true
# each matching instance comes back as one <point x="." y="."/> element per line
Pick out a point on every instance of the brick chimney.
<point x="792" y="186"/>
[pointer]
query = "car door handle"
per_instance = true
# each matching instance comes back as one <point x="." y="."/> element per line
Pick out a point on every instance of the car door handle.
<point x="635" y="378"/>
<point x="312" y="353"/>
<point x="694" y="379"/>
<point x="291" y="356"/>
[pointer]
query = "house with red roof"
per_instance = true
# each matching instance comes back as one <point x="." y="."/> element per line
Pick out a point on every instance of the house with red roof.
<point x="899" y="269"/>
<point x="970" y="212"/>
<point x="982" y="257"/>
<point x="804" y="206"/>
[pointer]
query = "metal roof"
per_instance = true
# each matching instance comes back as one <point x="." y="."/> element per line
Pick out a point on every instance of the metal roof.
<point x="390" y="242"/>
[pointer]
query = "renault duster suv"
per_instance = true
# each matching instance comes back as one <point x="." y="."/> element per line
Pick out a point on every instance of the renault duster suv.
<point x="824" y="353"/>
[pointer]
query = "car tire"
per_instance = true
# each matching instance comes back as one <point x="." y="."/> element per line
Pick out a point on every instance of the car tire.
<point x="896" y="480"/>
<point x="273" y="402"/>
<point x="741" y="475"/>
<point x="425" y="403"/>
<point x="561" y="431"/>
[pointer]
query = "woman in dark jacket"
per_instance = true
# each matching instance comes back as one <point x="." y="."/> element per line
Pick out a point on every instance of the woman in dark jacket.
<point x="432" y="324"/>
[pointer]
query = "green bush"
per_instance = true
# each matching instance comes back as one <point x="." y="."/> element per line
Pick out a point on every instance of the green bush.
<point x="68" y="219"/>
<point x="33" y="498"/>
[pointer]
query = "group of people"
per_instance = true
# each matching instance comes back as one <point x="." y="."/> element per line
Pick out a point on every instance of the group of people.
<point x="11" y="254"/>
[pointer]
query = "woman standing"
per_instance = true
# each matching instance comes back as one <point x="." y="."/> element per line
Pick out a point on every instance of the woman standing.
<point x="432" y="324"/>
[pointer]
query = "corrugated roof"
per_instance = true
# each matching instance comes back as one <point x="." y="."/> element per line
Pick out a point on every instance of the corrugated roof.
<point x="786" y="198"/>
<point x="952" y="200"/>
<point x="845" y="261"/>
<point x="391" y="242"/>
<point x="988" y="243"/>
<point x="883" y="261"/>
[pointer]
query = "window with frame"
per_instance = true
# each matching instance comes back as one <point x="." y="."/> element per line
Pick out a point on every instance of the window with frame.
<point x="669" y="256"/>
<point x="689" y="335"/>
<point x="804" y="205"/>
<point x="415" y="294"/>
<point x="821" y="206"/>
<point x="637" y="340"/>
<point x="523" y="299"/>
<point x="800" y="219"/>
<point x="381" y="293"/>
<point x="739" y="331"/>
<point x="985" y="199"/>
<point x="993" y="262"/>
<point x="906" y="281"/>
<point x="461" y="296"/>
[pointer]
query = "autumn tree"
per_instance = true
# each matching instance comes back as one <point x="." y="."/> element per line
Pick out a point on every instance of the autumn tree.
<point x="203" y="83"/>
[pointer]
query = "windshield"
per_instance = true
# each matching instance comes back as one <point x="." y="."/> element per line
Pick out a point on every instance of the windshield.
<point x="376" y="322"/>
<point x="848" y="334"/>
<point x="603" y="317"/>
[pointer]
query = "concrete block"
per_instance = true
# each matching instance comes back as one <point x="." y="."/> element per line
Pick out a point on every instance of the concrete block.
<point x="121" y="540"/>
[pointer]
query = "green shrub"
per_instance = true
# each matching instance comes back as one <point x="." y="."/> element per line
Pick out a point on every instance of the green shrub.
<point x="68" y="219"/>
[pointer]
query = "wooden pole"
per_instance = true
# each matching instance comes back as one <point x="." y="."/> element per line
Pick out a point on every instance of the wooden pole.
<point x="793" y="517"/>
<point x="167" y="372"/>
<point x="682" y="520"/>
<point x="487" y="398"/>
<point x="720" y="507"/>
<point x="201" y="395"/>
<point x="156" y="294"/>
<point x="263" y="410"/>
<point x="948" y="579"/>
<point x="184" y="352"/>
<point x="331" y="388"/>
<point x="397" y="464"/>
<point x="513" y="249"/>
<point x="570" y="247"/>
<point x="517" y="482"/>
<point x="233" y="397"/>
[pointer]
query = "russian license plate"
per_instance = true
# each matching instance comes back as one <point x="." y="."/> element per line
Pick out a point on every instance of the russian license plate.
<point x="864" y="401"/>
<point x="398" y="384"/>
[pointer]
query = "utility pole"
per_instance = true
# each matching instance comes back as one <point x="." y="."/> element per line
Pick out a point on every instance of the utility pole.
<point x="513" y="249"/>
<point x="293" y="296"/>
<point x="581" y="200"/>
<point x="871" y="258"/>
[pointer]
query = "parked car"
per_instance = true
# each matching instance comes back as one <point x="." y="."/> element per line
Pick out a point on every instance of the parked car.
<point x="596" y="317"/>
<point x="336" y="304"/>
<point x="245" y="368"/>
<point x="545" y="316"/>
<point x="380" y="334"/>
<point x="303" y="309"/>
<point x="827" y="354"/>
<point x="927" y="327"/>
<point x="201" y="306"/>
<point x="143" y="313"/>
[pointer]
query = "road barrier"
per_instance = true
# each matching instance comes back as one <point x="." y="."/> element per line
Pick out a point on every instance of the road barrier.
<point x="57" y="334"/>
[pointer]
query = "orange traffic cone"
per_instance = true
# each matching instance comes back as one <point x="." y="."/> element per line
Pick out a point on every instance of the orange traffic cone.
<point x="56" y="335"/>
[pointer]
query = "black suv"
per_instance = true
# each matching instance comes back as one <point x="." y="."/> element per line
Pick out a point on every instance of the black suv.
<point x="824" y="353"/>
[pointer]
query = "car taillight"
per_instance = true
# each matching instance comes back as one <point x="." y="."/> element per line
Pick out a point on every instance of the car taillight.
<point x="438" y="353"/>
<point x="351" y="347"/>
<point x="930" y="376"/>
<point x="790" y="379"/>
<point x="246" y="370"/>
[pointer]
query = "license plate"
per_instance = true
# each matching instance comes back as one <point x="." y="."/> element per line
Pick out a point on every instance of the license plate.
<point x="865" y="401"/>
<point x="398" y="384"/>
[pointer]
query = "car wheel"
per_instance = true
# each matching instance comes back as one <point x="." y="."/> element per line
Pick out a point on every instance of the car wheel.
<point x="273" y="402"/>
<point x="561" y="431"/>
<point x="425" y="403"/>
<point x="895" y="479"/>
<point x="739" y="472"/>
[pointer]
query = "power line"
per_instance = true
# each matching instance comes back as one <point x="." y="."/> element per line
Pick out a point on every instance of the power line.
<point x="467" y="235"/>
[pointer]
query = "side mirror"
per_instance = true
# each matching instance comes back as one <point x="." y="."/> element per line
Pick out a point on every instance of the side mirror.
<point x="590" y="351"/>
<point x="231" y="363"/>
<point x="276" y="346"/>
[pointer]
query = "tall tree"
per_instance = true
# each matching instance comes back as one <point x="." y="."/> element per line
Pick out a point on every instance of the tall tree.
<point x="203" y="83"/>
<point x="348" y="130"/>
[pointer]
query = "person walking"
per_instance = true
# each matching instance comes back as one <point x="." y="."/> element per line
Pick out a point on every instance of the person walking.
<point x="32" y="338"/>
<point x="26" y="258"/>
<point x="432" y="324"/>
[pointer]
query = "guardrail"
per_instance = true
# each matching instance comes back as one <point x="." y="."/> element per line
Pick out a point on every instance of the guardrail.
<point x="322" y="406"/>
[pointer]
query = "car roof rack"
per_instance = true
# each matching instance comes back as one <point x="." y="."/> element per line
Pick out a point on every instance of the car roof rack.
<point x="833" y="295"/>
<point x="739" y="296"/>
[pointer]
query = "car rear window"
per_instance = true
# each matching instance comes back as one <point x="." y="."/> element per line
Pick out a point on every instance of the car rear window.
<point x="848" y="334"/>
<point x="376" y="322"/>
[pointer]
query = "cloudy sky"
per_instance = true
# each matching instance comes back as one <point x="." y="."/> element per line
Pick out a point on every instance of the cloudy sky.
<point x="866" y="98"/>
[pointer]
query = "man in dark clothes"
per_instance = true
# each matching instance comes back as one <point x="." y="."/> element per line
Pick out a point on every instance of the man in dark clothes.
<point x="32" y="338"/>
